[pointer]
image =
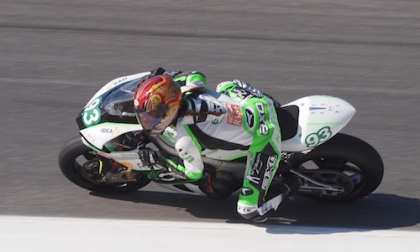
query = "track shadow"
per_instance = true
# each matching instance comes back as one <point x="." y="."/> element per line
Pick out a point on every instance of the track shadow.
<point x="379" y="211"/>
<point x="376" y="212"/>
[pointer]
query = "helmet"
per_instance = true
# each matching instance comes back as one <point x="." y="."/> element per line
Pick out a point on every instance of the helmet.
<point x="157" y="101"/>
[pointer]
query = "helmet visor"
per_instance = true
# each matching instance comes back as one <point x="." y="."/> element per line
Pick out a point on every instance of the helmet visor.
<point x="151" y="120"/>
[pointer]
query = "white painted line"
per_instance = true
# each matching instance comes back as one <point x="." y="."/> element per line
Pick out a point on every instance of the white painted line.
<point x="18" y="233"/>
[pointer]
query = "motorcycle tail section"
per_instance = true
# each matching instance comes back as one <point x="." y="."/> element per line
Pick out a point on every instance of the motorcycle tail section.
<point x="320" y="118"/>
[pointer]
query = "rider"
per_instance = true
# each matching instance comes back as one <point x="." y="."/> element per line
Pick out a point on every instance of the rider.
<point x="236" y="116"/>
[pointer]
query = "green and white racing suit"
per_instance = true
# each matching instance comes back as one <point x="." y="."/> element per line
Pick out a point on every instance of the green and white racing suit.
<point x="235" y="117"/>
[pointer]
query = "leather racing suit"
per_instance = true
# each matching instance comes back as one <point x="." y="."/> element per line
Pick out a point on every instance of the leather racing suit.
<point x="235" y="117"/>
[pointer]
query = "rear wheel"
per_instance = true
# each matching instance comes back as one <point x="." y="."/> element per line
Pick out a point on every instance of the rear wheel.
<point x="344" y="162"/>
<point x="76" y="162"/>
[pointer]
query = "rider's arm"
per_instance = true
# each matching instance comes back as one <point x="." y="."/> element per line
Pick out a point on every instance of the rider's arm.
<point x="240" y="88"/>
<point x="191" y="81"/>
<point x="187" y="80"/>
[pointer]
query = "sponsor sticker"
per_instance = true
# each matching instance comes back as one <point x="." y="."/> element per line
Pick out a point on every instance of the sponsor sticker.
<point x="249" y="88"/>
<point x="254" y="180"/>
<point x="246" y="191"/>
<point x="256" y="166"/>
<point x="250" y="119"/>
<point x="241" y="93"/>
<point x="263" y="129"/>
<point x="268" y="172"/>
<point x="106" y="130"/>
<point x="215" y="121"/>
<point x="260" y="108"/>
<point x="234" y="115"/>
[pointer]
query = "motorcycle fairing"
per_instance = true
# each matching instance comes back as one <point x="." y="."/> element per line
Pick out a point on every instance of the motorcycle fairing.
<point x="320" y="118"/>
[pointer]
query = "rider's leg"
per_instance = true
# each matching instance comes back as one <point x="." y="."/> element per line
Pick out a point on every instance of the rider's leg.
<point x="263" y="159"/>
<point x="188" y="149"/>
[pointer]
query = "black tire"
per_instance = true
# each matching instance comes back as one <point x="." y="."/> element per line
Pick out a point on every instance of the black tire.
<point x="359" y="153"/>
<point x="71" y="170"/>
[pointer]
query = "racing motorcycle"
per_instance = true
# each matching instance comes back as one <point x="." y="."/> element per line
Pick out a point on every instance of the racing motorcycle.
<point x="330" y="165"/>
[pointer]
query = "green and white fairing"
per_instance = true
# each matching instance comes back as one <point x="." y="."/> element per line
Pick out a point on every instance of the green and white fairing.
<point x="320" y="118"/>
<point x="108" y="115"/>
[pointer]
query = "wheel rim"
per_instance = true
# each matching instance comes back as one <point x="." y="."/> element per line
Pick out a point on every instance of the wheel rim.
<point x="79" y="162"/>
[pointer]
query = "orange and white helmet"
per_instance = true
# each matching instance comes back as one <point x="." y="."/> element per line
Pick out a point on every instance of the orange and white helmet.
<point x="157" y="102"/>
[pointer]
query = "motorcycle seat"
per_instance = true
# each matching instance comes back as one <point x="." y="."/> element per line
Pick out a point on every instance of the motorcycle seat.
<point x="288" y="117"/>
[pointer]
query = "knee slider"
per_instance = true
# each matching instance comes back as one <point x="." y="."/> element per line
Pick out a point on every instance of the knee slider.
<point x="186" y="149"/>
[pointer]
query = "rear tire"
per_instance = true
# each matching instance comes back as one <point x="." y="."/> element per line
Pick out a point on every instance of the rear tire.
<point x="348" y="149"/>
<point x="71" y="170"/>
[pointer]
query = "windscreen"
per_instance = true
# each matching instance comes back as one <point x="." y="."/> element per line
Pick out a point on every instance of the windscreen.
<point x="119" y="102"/>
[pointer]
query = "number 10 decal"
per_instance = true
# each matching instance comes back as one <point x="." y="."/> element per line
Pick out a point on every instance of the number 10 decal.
<point x="92" y="114"/>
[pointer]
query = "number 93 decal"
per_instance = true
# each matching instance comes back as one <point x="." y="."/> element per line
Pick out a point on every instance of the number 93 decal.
<point x="318" y="137"/>
<point x="92" y="113"/>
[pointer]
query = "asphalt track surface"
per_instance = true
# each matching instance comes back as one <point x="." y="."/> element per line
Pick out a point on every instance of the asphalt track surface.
<point x="55" y="54"/>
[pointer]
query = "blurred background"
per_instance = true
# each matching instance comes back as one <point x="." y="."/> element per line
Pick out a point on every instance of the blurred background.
<point x="55" y="54"/>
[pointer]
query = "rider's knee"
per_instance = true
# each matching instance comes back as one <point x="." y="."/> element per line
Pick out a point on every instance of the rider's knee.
<point x="186" y="149"/>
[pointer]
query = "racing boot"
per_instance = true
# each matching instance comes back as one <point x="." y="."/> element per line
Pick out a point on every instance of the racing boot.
<point x="282" y="186"/>
<point x="280" y="190"/>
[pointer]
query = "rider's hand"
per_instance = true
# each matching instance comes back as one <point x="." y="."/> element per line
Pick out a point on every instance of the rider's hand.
<point x="148" y="157"/>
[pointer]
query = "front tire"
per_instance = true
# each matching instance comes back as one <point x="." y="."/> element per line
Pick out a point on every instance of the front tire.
<point x="347" y="160"/>
<point x="71" y="169"/>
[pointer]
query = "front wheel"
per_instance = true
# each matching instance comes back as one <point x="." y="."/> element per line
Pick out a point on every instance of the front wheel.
<point x="75" y="159"/>
<point x="346" y="163"/>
